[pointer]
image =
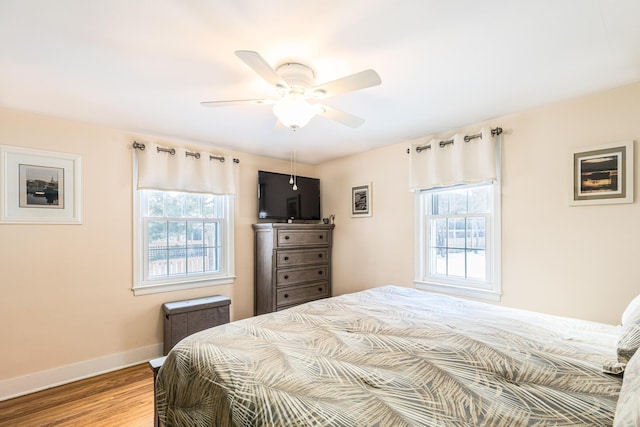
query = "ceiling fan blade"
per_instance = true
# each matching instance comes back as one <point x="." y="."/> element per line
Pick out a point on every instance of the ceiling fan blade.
<point x="257" y="63"/>
<point x="357" y="81"/>
<point x="233" y="102"/>
<point x="339" y="116"/>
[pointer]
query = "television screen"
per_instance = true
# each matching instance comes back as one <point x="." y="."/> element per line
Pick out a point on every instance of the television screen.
<point x="278" y="200"/>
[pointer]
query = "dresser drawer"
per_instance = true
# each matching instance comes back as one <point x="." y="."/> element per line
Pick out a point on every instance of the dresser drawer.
<point x="289" y="276"/>
<point x="288" y="258"/>
<point x="300" y="294"/>
<point x="288" y="238"/>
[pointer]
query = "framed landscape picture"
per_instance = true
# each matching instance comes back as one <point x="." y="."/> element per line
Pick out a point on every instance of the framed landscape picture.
<point x="39" y="186"/>
<point x="602" y="174"/>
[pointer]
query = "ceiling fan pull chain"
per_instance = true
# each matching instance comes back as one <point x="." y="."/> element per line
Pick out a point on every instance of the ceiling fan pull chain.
<point x="295" y="177"/>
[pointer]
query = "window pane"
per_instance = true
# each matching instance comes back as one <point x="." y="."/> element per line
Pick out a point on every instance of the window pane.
<point x="157" y="233"/>
<point x="177" y="264"/>
<point x="155" y="203"/>
<point x="173" y="205"/>
<point x="439" y="261"/>
<point x="177" y="233"/>
<point x="209" y="206"/>
<point x="157" y="248"/>
<point x="456" y="262"/>
<point x="456" y="233"/>
<point x="195" y="260"/>
<point x="476" y="265"/>
<point x="212" y="246"/>
<point x="211" y="234"/>
<point x="195" y="236"/>
<point x="476" y="233"/>
<point x="195" y="233"/>
<point x="193" y="206"/>
<point x="458" y="202"/>
<point x="211" y="259"/>
<point x="440" y="203"/>
<point x="480" y="199"/>
<point x="438" y="233"/>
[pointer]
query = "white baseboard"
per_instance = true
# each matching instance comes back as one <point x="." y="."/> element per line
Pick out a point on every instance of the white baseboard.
<point x="18" y="386"/>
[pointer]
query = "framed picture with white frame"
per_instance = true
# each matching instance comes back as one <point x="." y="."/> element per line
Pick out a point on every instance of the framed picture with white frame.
<point x="602" y="174"/>
<point x="39" y="187"/>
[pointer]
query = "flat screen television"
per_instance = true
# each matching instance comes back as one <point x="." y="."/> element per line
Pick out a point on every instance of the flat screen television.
<point x="277" y="200"/>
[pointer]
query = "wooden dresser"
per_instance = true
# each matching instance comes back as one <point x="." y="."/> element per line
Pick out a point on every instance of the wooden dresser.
<point x="292" y="265"/>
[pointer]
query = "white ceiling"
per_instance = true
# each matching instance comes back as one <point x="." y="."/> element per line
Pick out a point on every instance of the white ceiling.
<point x="145" y="65"/>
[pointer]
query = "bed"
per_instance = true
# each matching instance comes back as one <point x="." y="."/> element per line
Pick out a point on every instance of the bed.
<point x="394" y="356"/>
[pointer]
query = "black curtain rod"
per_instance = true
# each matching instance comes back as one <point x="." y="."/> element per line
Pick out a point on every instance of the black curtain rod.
<point x="172" y="151"/>
<point x="467" y="138"/>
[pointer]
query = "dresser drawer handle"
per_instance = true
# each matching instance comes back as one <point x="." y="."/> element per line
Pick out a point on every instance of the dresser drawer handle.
<point x="286" y="295"/>
<point x="286" y="258"/>
<point x="320" y="272"/>
<point x="319" y="289"/>
<point x="286" y="276"/>
<point x="319" y="255"/>
<point x="320" y="236"/>
<point x="286" y="237"/>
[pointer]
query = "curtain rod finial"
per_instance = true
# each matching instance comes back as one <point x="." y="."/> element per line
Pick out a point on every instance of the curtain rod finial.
<point x="138" y="145"/>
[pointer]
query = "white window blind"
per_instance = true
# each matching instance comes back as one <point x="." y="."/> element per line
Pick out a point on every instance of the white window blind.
<point x="459" y="160"/>
<point x="179" y="169"/>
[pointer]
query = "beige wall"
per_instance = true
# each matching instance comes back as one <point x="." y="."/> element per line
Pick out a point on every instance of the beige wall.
<point x="572" y="261"/>
<point x="376" y="250"/>
<point x="66" y="296"/>
<point x="66" y="289"/>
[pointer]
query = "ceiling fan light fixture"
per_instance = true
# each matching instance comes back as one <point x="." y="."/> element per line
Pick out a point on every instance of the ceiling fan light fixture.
<point x="294" y="111"/>
<point x="295" y="84"/>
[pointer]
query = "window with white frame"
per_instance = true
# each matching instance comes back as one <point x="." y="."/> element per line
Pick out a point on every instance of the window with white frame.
<point x="458" y="242"/>
<point x="182" y="240"/>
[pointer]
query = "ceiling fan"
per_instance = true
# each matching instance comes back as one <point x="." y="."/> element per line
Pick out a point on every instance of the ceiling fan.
<point x="298" y="92"/>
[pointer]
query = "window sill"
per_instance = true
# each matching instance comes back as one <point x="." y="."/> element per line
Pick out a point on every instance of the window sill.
<point x="180" y="286"/>
<point x="485" y="294"/>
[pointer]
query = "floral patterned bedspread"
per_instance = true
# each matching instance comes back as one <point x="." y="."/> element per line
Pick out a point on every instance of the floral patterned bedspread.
<point x="392" y="356"/>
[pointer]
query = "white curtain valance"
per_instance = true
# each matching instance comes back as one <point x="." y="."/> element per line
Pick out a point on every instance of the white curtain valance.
<point x="460" y="160"/>
<point x="180" y="169"/>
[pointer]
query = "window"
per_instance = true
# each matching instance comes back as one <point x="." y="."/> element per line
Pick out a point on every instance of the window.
<point x="182" y="240"/>
<point x="458" y="246"/>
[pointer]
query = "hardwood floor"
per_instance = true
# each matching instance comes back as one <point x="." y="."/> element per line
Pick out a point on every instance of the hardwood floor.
<point x="120" y="398"/>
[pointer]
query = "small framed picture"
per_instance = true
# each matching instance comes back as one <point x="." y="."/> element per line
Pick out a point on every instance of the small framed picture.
<point x="602" y="174"/>
<point x="361" y="200"/>
<point x="39" y="187"/>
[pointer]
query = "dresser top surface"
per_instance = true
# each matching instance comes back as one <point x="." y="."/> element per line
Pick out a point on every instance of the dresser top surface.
<point x="286" y="226"/>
